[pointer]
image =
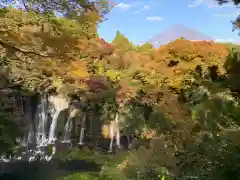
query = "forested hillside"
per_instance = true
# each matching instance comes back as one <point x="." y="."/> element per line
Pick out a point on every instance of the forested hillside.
<point x="181" y="100"/>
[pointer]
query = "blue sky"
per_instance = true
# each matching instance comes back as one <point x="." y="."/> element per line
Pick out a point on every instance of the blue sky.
<point x="140" y="20"/>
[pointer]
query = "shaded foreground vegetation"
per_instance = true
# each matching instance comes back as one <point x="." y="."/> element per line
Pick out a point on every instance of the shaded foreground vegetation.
<point x="181" y="100"/>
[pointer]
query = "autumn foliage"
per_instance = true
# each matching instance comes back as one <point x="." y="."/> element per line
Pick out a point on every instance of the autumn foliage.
<point x="73" y="57"/>
<point x="159" y="92"/>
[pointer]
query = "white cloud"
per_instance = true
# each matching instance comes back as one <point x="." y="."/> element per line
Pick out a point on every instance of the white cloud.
<point x="196" y="3"/>
<point x="227" y="40"/>
<point x="231" y="14"/>
<point x="123" y="6"/>
<point x="144" y="8"/>
<point x="154" y="18"/>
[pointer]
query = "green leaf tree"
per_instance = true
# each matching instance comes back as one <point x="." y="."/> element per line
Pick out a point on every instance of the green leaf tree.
<point x="122" y="42"/>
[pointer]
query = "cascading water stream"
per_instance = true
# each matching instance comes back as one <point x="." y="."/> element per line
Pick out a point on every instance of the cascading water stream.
<point x="69" y="125"/>
<point x="24" y="104"/>
<point x="38" y="117"/>
<point x="67" y="131"/>
<point x="53" y="105"/>
<point x="42" y="115"/>
<point x="117" y="130"/>
<point x="82" y="130"/>
<point x="58" y="104"/>
<point x="114" y="132"/>
<point x="19" y="103"/>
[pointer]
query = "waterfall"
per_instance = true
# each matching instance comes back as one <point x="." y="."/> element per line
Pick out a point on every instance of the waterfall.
<point x="117" y="130"/>
<point x="41" y="120"/>
<point x="51" y="105"/>
<point x="69" y="125"/>
<point x="42" y="116"/>
<point x="114" y="131"/>
<point x="82" y="129"/>
<point x="58" y="104"/>
<point x="24" y="104"/>
<point x="67" y="131"/>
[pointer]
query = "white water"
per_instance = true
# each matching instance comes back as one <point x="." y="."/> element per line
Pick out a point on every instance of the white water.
<point x="42" y="115"/>
<point x="31" y="133"/>
<point x="69" y="125"/>
<point x="67" y="131"/>
<point x="52" y="105"/>
<point x="59" y="104"/>
<point x="82" y="130"/>
<point x="37" y="127"/>
<point x="47" y="114"/>
<point x="114" y="132"/>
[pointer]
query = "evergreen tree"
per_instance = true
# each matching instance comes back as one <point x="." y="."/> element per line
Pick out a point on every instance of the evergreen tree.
<point x="122" y="42"/>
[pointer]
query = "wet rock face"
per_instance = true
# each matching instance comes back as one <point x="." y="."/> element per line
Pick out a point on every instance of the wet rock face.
<point x="41" y="116"/>
<point x="52" y="120"/>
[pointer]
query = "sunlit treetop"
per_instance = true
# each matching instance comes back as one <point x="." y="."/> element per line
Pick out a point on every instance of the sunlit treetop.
<point x="68" y="8"/>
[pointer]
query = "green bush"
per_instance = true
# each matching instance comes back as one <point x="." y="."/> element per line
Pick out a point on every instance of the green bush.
<point x="80" y="176"/>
